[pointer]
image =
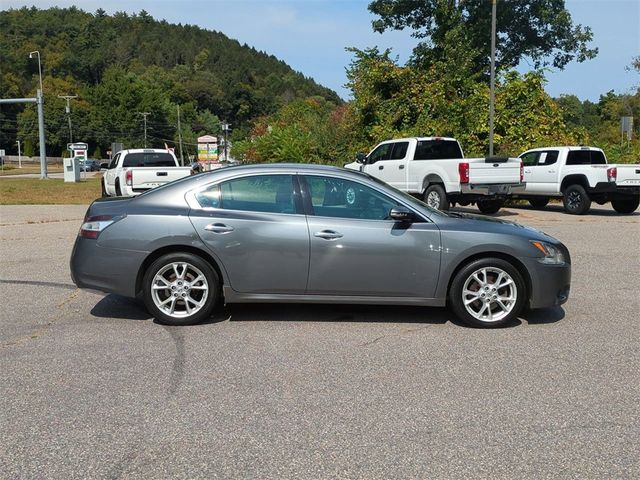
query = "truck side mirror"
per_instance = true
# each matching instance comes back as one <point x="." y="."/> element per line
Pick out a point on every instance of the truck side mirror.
<point x="361" y="157"/>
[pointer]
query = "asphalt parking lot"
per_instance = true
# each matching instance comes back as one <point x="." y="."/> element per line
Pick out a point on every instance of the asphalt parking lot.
<point x="91" y="387"/>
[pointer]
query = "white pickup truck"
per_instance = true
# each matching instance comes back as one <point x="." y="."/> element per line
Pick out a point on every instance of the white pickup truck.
<point x="134" y="171"/>
<point x="435" y="169"/>
<point x="579" y="175"/>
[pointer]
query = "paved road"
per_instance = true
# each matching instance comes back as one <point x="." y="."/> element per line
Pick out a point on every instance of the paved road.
<point x="91" y="387"/>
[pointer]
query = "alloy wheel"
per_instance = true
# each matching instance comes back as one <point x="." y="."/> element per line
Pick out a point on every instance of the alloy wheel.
<point x="489" y="294"/>
<point x="179" y="289"/>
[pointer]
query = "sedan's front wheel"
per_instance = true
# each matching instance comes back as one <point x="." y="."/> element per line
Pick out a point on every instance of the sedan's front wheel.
<point x="180" y="289"/>
<point x="488" y="292"/>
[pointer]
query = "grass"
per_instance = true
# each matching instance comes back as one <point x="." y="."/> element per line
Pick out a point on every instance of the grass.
<point x="8" y="170"/>
<point x="33" y="191"/>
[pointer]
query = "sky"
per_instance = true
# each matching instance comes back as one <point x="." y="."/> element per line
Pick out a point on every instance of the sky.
<point x="311" y="35"/>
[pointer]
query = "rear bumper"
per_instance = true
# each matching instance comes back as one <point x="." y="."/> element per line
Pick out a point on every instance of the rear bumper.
<point x="496" y="189"/>
<point x="105" y="269"/>
<point x="614" y="188"/>
<point x="550" y="284"/>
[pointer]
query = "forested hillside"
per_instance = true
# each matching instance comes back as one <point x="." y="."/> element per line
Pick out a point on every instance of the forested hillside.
<point x="124" y="64"/>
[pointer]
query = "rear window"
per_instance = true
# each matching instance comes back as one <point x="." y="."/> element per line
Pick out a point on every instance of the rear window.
<point x="586" y="157"/>
<point x="437" y="149"/>
<point x="149" y="159"/>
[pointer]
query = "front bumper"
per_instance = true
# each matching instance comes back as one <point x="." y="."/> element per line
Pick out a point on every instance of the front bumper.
<point x="550" y="284"/>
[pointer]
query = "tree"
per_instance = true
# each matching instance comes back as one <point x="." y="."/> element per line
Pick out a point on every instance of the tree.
<point x="539" y="30"/>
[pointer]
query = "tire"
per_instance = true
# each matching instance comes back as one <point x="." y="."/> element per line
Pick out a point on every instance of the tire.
<point x="485" y="309"/>
<point x="576" y="200"/>
<point x="539" y="202"/>
<point x="625" y="204"/>
<point x="118" y="191"/>
<point x="436" y="197"/>
<point x="489" y="207"/>
<point x="182" y="274"/>
<point x="103" y="190"/>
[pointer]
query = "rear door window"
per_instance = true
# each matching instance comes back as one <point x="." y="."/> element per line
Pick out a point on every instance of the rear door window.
<point x="259" y="193"/>
<point x="586" y="157"/>
<point x="437" y="149"/>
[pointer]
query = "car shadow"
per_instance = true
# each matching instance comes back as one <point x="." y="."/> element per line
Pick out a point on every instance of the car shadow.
<point x="117" y="306"/>
<point x="123" y="308"/>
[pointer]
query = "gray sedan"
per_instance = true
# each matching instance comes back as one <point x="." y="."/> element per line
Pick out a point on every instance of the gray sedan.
<point x="311" y="234"/>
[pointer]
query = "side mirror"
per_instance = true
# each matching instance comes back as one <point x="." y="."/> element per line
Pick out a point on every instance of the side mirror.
<point x="401" y="214"/>
<point x="104" y="165"/>
<point x="361" y="157"/>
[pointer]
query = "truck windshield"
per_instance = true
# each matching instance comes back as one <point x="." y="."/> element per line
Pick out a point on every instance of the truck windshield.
<point x="149" y="159"/>
<point x="437" y="150"/>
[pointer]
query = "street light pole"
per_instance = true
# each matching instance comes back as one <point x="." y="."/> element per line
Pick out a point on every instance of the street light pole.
<point x="68" y="110"/>
<point x="39" y="68"/>
<point x="492" y="94"/>
<point x="225" y="129"/>
<point x="145" y="114"/>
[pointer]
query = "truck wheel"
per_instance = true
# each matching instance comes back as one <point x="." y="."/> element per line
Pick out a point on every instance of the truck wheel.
<point x="118" y="191"/>
<point x="489" y="207"/>
<point x="625" y="204"/>
<point x="103" y="189"/>
<point x="180" y="289"/>
<point x="436" y="197"/>
<point x="488" y="292"/>
<point x="576" y="200"/>
<point x="539" y="202"/>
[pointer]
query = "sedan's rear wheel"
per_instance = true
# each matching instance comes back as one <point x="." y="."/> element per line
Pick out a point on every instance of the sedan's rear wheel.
<point x="487" y="292"/>
<point x="180" y="289"/>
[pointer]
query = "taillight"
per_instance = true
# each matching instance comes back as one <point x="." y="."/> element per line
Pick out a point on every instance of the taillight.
<point x="612" y="174"/>
<point x="463" y="171"/>
<point x="521" y="172"/>
<point x="129" y="177"/>
<point x="92" y="226"/>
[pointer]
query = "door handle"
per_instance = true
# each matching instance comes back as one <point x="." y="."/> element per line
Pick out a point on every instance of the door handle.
<point x="328" y="234"/>
<point x="551" y="171"/>
<point x="401" y="167"/>
<point x="218" y="228"/>
<point x="380" y="167"/>
<point x="527" y="171"/>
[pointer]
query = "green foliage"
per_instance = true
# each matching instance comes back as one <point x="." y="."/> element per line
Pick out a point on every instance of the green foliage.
<point x="124" y="64"/>
<point x="602" y="122"/>
<point x="449" y="100"/>
<point x="540" y="30"/>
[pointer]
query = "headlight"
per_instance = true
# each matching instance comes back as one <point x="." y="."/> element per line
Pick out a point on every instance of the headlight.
<point x="552" y="255"/>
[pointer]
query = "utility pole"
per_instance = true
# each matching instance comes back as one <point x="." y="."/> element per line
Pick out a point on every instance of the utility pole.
<point x="68" y="111"/>
<point x="492" y="95"/>
<point x="180" y="137"/>
<point x="145" y="114"/>
<point x="19" y="155"/>
<point x="225" y="129"/>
